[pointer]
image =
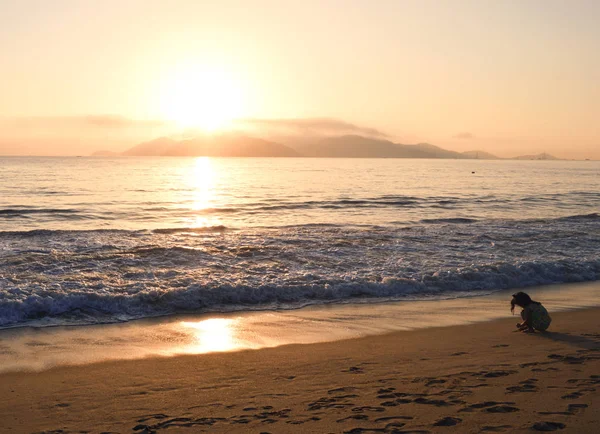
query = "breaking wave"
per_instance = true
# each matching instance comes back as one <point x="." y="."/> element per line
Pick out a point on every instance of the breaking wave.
<point x="50" y="277"/>
<point x="71" y="305"/>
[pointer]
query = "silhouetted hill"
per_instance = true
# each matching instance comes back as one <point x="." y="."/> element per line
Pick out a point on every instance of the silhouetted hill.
<point x="353" y="146"/>
<point x="156" y="147"/>
<point x="432" y="151"/>
<point x="480" y="155"/>
<point x="226" y="145"/>
<point x="542" y="156"/>
<point x="348" y="146"/>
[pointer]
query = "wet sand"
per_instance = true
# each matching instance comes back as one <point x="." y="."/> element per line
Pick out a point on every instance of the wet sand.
<point x="36" y="349"/>
<point x="470" y="378"/>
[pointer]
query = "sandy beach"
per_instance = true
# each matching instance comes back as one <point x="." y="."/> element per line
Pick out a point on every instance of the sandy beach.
<point x="267" y="217"/>
<point x="468" y="379"/>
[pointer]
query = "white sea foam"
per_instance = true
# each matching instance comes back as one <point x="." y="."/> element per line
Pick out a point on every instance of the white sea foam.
<point x="80" y="277"/>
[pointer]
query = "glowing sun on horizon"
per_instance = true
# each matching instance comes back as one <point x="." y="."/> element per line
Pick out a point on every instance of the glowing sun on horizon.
<point x="201" y="97"/>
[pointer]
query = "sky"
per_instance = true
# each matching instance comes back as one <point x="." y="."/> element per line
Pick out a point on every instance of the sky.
<point x="509" y="77"/>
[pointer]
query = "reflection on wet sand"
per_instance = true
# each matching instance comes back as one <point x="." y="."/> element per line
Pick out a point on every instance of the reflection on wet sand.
<point x="215" y="334"/>
<point x="42" y="348"/>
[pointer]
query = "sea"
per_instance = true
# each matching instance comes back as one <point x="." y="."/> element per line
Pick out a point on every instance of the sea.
<point x="101" y="240"/>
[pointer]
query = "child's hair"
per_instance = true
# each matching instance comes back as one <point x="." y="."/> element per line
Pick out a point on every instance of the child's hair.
<point x="520" y="299"/>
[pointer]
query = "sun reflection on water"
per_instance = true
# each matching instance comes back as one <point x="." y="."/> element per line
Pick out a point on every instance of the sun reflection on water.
<point x="202" y="178"/>
<point x="210" y="335"/>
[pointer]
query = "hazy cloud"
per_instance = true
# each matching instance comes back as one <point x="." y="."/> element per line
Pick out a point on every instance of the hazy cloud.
<point x="74" y="135"/>
<point x="464" y="136"/>
<point x="312" y="126"/>
<point x="109" y="121"/>
<point x="97" y="121"/>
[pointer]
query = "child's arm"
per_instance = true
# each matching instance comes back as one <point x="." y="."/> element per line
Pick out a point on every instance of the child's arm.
<point x="526" y="324"/>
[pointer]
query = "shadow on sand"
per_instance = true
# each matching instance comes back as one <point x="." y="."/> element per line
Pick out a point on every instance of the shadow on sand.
<point x="588" y="341"/>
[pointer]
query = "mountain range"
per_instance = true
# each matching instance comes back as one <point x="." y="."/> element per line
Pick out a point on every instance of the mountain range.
<point x="347" y="146"/>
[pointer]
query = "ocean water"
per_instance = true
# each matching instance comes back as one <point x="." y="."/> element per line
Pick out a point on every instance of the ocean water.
<point x="94" y="240"/>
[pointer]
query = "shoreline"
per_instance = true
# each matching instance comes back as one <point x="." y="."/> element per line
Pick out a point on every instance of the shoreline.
<point x="477" y="377"/>
<point x="37" y="349"/>
<point x="353" y="302"/>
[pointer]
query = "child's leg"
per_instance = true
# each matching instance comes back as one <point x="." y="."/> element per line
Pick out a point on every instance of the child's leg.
<point x="525" y="326"/>
<point x="522" y="325"/>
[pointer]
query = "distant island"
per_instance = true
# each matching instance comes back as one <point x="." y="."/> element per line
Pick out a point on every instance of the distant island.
<point x="542" y="156"/>
<point x="347" y="146"/>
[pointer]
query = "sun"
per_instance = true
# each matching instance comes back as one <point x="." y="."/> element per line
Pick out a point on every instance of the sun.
<point x="207" y="98"/>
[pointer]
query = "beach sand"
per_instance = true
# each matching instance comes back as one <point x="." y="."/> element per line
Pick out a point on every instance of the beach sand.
<point x="470" y="378"/>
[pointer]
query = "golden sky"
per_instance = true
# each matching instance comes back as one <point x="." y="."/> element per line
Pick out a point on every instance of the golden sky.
<point x="508" y="77"/>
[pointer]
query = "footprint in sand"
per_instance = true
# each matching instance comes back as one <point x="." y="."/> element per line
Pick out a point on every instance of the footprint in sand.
<point x="368" y="408"/>
<point x="485" y="404"/>
<point x="393" y="418"/>
<point x="502" y="409"/>
<point x="341" y="390"/>
<point x="389" y="428"/>
<point x="436" y="402"/>
<point x="572" y="360"/>
<point x="388" y="390"/>
<point x="544" y="369"/>
<point x="548" y="426"/>
<point x="178" y="422"/>
<point x="364" y="430"/>
<point x="354" y="370"/>
<point x="302" y="421"/>
<point x="334" y="402"/>
<point x="524" y="386"/>
<point x="574" y="408"/>
<point x="497" y="428"/>
<point x="448" y="421"/>
<point x="496" y="374"/>
<point x="353" y="417"/>
<point x="592" y="381"/>
<point x="571" y="410"/>
<point x="574" y="395"/>
<point x="434" y="381"/>
<point x="475" y="386"/>
<point x="157" y="416"/>
<point x="396" y="402"/>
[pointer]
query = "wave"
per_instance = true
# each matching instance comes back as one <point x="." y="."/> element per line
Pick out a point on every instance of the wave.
<point x="216" y="228"/>
<point x="393" y="201"/>
<point x="59" y="232"/>
<point x="24" y="212"/>
<point x="120" y="214"/>
<point x="457" y="220"/>
<point x="82" y="276"/>
<point x="592" y="216"/>
<point x="57" y="303"/>
<point x="222" y="228"/>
